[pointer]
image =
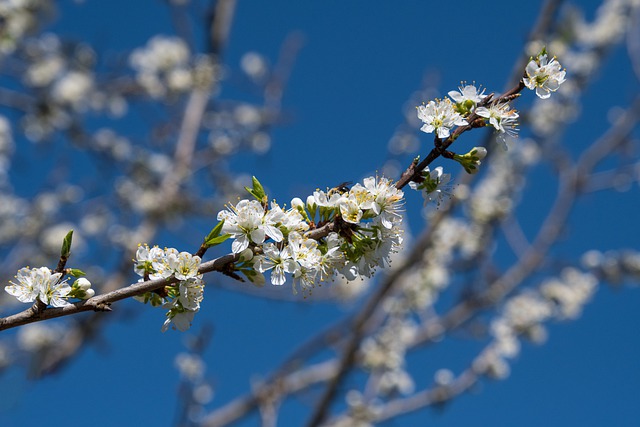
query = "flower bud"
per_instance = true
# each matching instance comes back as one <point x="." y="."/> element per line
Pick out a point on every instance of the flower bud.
<point x="83" y="283"/>
<point x="256" y="278"/>
<point x="246" y="255"/>
<point x="297" y="203"/>
<point x="480" y="152"/>
<point x="471" y="160"/>
<point x="311" y="201"/>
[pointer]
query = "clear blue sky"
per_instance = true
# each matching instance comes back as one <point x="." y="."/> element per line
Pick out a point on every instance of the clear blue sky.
<point x="360" y="62"/>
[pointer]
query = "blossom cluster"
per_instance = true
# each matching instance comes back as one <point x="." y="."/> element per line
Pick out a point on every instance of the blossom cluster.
<point x="469" y="102"/>
<point x="68" y="78"/>
<point x="441" y="116"/>
<point x="18" y="19"/>
<point x="182" y="299"/>
<point x="368" y="218"/>
<point x="47" y="287"/>
<point x="165" y="66"/>
<point x="524" y="315"/>
<point x="287" y="243"/>
<point x="384" y="350"/>
<point x="163" y="62"/>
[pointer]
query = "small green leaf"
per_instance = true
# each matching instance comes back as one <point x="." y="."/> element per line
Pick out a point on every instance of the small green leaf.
<point x="216" y="240"/>
<point x="66" y="245"/>
<point x="257" y="191"/>
<point x="76" y="272"/>
<point x="215" y="232"/>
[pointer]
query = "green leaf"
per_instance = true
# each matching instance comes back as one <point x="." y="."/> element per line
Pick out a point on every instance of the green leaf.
<point x="76" y="272"/>
<point x="66" y="245"/>
<point x="216" y="240"/>
<point x="215" y="232"/>
<point x="257" y="191"/>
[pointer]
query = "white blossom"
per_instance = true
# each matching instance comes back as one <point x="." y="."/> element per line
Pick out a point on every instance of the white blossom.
<point x="184" y="265"/>
<point x="145" y="257"/>
<point x="439" y="116"/>
<point x="387" y="200"/>
<point x="502" y="118"/>
<point x="308" y="257"/>
<point x="190" y="366"/>
<point x="181" y="321"/>
<point x="333" y="259"/>
<point x="29" y="284"/>
<point x="350" y="211"/>
<point x="246" y="222"/>
<point x="320" y="198"/>
<point x="435" y="185"/>
<point x="73" y="88"/>
<point x="164" y="264"/>
<point x="467" y="96"/>
<point x="191" y="293"/>
<point x="545" y="77"/>
<point x="254" y="65"/>
<point x="294" y="221"/>
<point x="37" y="336"/>
<point x="162" y="65"/>
<point x="281" y="261"/>
<point x="55" y="293"/>
<point x="39" y="283"/>
<point x="570" y="292"/>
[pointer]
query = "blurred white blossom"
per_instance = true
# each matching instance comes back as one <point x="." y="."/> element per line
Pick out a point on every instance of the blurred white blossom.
<point x="162" y="65"/>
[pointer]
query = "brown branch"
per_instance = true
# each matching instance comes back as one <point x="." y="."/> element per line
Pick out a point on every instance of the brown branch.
<point x="429" y="397"/>
<point x="291" y="383"/>
<point x="221" y="20"/>
<point x="16" y="100"/>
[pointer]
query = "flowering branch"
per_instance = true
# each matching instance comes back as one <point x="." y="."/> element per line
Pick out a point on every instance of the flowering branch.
<point x="103" y="302"/>
<point x="347" y="231"/>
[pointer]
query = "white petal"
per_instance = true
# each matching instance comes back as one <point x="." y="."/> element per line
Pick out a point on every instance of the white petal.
<point x="257" y="235"/>
<point x="274" y="233"/>
<point x="240" y="244"/>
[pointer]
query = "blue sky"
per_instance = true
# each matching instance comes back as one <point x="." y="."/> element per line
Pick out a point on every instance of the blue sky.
<point x="359" y="64"/>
